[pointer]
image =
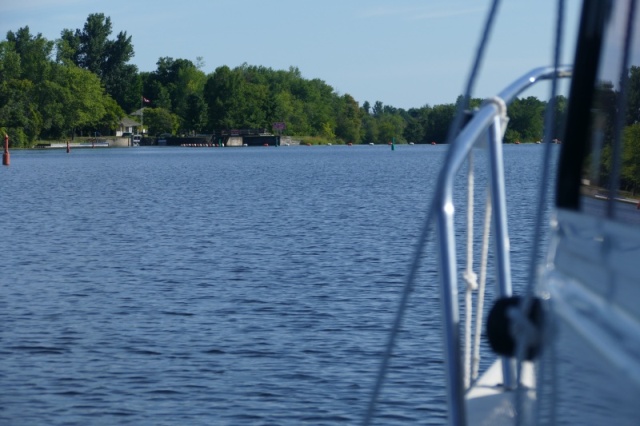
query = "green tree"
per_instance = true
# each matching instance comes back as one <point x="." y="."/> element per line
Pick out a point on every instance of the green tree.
<point x="440" y="119"/>
<point x="606" y="101"/>
<point x="630" y="173"/>
<point x="68" y="47"/>
<point x="633" y="100"/>
<point x="18" y="115"/>
<point x="91" y="49"/>
<point x="52" y="102"/>
<point x="10" y="68"/>
<point x="155" y="92"/>
<point x="388" y="109"/>
<point x="349" y="120"/>
<point x="560" y="116"/>
<point x="25" y="62"/>
<point x="390" y="126"/>
<point x="220" y="93"/>
<point x="177" y="79"/>
<point x="366" y="107"/>
<point x="526" y="119"/>
<point x="319" y="101"/>
<point x="288" y="109"/>
<point x="370" y="132"/>
<point x="196" y="114"/>
<point x="123" y="84"/>
<point x="417" y="121"/>
<point x="83" y="98"/>
<point x="34" y="52"/>
<point x="94" y="43"/>
<point x="109" y="122"/>
<point x="378" y="109"/>
<point x="159" y="121"/>
<point x="251" y="112"/>
<point x="512" y="135"/>
<point x="327" y="131"/>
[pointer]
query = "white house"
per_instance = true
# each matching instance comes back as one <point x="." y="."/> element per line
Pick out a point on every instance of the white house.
<point x="127" y="125"/>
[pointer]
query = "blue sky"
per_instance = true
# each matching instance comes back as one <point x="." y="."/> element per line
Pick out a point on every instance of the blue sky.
<point x="405" y="53"/>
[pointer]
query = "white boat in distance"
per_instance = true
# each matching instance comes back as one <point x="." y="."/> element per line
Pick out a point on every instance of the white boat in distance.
<point x="568" y="348"/>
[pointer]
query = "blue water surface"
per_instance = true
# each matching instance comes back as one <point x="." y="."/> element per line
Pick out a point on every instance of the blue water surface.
<point x="201" y="286"/>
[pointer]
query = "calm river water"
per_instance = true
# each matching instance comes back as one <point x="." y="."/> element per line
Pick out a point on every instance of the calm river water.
<point x="196" y="286"/>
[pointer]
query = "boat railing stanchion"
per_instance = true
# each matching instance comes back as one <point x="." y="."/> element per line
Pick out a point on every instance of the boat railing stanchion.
<point x="501" y="234"/>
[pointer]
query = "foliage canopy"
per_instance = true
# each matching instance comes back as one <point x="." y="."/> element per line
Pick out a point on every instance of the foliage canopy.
<point x="84" y="82"/>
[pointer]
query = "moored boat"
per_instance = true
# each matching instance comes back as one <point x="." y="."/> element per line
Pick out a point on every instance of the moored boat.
<point x="567" y="347"/>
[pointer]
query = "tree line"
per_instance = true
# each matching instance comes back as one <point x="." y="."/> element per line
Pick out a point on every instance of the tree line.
<point x="84" y="83"/>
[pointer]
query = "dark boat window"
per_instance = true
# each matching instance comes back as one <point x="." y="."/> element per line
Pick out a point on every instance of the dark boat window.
<point x="602" y="176"/>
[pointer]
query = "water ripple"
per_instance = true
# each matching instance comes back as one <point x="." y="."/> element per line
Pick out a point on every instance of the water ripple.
<point x="262" y="296"/>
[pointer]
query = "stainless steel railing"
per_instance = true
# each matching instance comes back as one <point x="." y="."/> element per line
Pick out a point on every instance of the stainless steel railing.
<point x="487" y="124"/>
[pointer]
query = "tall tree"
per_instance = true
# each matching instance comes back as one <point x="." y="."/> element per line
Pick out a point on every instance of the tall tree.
<point x="526" y="119"/>
<point x="173" y="84"/>
<point x="68" y="47"/>
<point x="378" y="108"/>
<point x="391" y="127"/>
<point x="34" y="52"/>
<point x="290" y="110"/>
<point x="25" y="63"/>
<point x="320" y="102"/>
<point x="18" y="117"/>
<point x="349" y="120"/>
<point x="196" y="114"/>
<point x="91" y="49"/>
<point x="84" y="98"/>
<point x="366" y="107"/>
<point x="560" y="116"/>
<point x="221" y="94"/>
<point x="440" y="119"/>
<point x="416" y="124"/>
<point x="633" y="101"/>
<point x="94" y="43"/>
<point x="370" y="132"/>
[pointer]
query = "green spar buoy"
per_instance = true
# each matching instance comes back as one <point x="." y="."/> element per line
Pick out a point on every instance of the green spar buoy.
<point x="393" y="144"/>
